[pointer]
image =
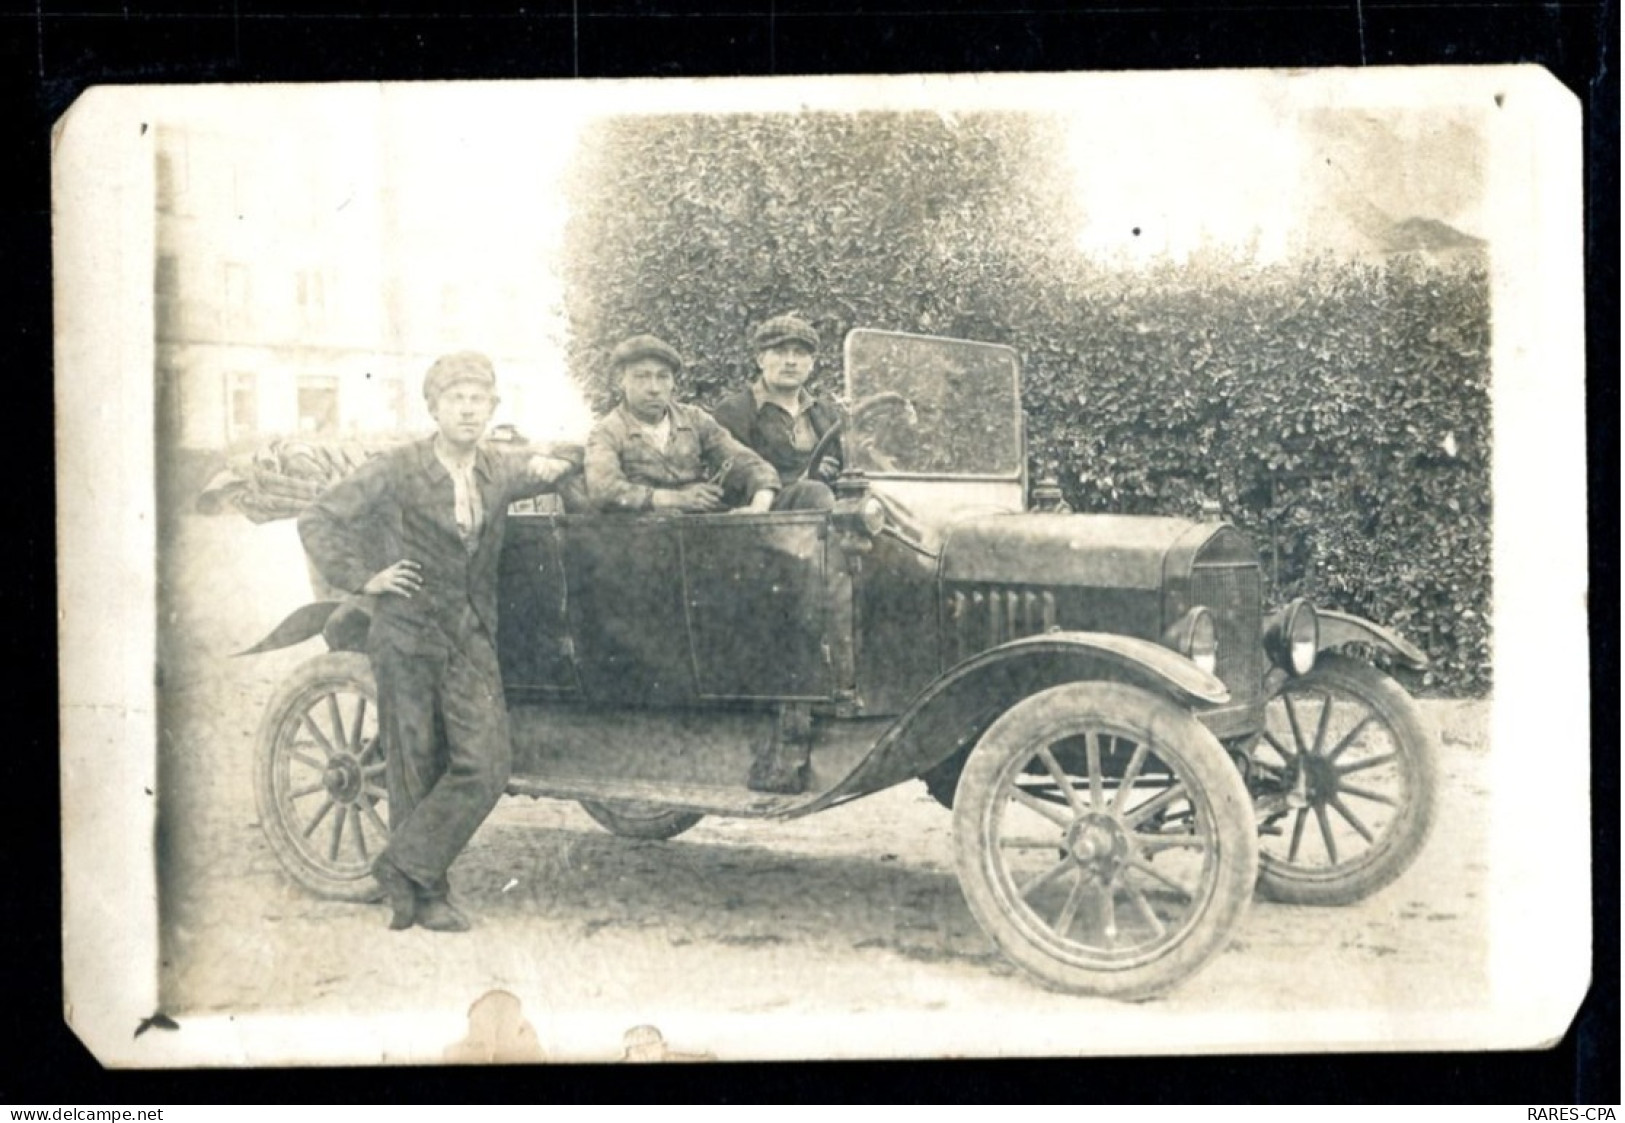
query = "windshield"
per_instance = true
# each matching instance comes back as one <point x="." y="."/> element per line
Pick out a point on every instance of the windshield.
<point x="924" y="406"/>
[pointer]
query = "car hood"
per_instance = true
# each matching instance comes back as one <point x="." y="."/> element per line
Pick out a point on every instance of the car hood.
<point x="1103" y="551"/>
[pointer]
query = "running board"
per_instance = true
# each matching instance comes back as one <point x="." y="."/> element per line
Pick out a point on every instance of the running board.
<point x="708" y="799"/>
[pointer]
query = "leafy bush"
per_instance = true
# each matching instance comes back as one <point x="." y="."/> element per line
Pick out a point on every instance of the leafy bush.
<point x="698" y="227"/>
<point x="1338" y="411"/>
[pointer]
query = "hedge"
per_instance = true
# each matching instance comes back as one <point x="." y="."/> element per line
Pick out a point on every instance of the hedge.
<point x="1337" y="410"/>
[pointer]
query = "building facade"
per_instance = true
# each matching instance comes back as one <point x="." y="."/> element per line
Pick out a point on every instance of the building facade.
<point x="309" y="269"/>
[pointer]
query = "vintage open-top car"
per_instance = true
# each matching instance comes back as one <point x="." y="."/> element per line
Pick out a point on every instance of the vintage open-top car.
<point x="1130" y="741"/>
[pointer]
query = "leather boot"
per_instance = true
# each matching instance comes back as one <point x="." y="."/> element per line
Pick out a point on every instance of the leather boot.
<point x="780" y="760"/>
<point x="439" y="915"/>
<point x="400" y="890"/>
<point x="778" y="771"/>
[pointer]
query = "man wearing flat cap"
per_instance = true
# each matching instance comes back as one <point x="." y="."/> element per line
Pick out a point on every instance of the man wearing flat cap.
<point x="652" y="453"/>
<point x="419" y="530"/>
<point x="775" y="415"/>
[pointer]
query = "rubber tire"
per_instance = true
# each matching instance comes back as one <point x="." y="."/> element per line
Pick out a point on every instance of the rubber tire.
<point x="1212" y="779"/>
<point x="1398" y="847"/>
<point x="293" y="698"/>
<point x="628" y="820"/>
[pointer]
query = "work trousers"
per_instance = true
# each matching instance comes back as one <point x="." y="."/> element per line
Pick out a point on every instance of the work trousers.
<point x="448" y="751"/>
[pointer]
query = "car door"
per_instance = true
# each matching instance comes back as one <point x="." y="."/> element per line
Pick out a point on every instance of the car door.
<point x="534" y="640"/>
<point x="626" y="609"/>
<point x="682" y="609"/>
<point x="758" y="605"/>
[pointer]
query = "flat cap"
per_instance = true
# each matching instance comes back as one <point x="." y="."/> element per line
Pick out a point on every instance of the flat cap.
<point x="463" y="366"/>
<point x="644" y="347"/>
<point x="784" y="329"/>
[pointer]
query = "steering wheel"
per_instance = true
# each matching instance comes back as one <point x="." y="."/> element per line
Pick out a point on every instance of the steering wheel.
<point x="821" y="446"/>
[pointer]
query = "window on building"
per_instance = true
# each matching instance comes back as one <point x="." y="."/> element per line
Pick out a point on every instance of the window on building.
<point x="242" y="404"/>
<point x="310" y="293"/>
<point x="451" y="308"/>
<point x="236" y="284"/>
<point x="245" y="180"/>
<point x="237" y="294"/>
<point x="318" y="404"/>
<point x="511" y="306"/>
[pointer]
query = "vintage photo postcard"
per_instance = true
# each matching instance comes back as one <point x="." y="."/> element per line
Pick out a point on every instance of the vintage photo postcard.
<point x="822" y="568"/>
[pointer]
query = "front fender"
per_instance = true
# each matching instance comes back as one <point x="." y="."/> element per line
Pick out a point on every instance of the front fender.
<point x="342" y="623"/>
<point x="1142" y="662"/>
<point x="950" y="715"/>
<point x="1338" y="629"/>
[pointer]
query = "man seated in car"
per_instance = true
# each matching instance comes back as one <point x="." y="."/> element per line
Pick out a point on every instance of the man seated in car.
<point x="776" y="416"/>
<point x="652" y="453"/>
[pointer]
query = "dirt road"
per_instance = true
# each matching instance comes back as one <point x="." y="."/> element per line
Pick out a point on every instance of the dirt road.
<point x="848" y="927"/>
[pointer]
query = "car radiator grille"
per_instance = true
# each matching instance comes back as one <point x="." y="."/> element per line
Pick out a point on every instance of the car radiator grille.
<point x="988" y="615"/>
<point x="1234" y="594"/>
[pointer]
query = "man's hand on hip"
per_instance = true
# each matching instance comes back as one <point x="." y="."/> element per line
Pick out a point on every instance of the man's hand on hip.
<point x="402" y="579"/>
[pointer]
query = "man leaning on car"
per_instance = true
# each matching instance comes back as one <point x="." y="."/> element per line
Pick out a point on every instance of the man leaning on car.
<point x="435" y="509"/>
<point x="653" y="453"/>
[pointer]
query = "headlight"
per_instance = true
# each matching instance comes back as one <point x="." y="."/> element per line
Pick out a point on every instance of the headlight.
<point x="1303" y="637"/>
<point x="1293" y="637"/>
<point x="1204" y="648"/>
<point x="1196" y="636"/>
<point x="857" y="512"/>
<point x="873" y="513"/>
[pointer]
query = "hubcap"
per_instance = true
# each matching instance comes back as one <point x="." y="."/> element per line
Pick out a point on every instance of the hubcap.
<point x="1105" y="852"/>
<point x="1320" y="776"/>
<point x="1098" y="844"/>
<point x="342" y="778"/>
<point x="1337" y="780"/>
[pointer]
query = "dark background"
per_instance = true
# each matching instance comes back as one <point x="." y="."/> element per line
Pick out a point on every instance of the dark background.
<point x="50" y="52"/>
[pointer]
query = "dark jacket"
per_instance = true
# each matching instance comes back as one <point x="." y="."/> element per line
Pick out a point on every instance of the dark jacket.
<point x="767" y="429"/>
<point x="401" y="506"/>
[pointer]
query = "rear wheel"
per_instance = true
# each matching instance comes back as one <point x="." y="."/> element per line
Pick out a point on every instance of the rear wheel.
<point x="641" y="820"/>
<point x="1104" y="840"/>
<point x="1346" y="781"/>
<point x="319" y="777"/>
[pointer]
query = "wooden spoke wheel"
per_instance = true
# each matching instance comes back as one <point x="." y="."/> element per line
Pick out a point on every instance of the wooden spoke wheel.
<point x="1104" y="839"/>
<point x="641" y="820"/>
<point x="1345" y="780"/>
<point x="319" y="777"/>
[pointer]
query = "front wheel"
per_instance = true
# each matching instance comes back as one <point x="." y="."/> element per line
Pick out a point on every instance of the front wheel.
<point x="1346" y="781"/>
<point x="319" y="777"/>
<point x="641" y="820"/>
<point x="1104" y="840"/>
